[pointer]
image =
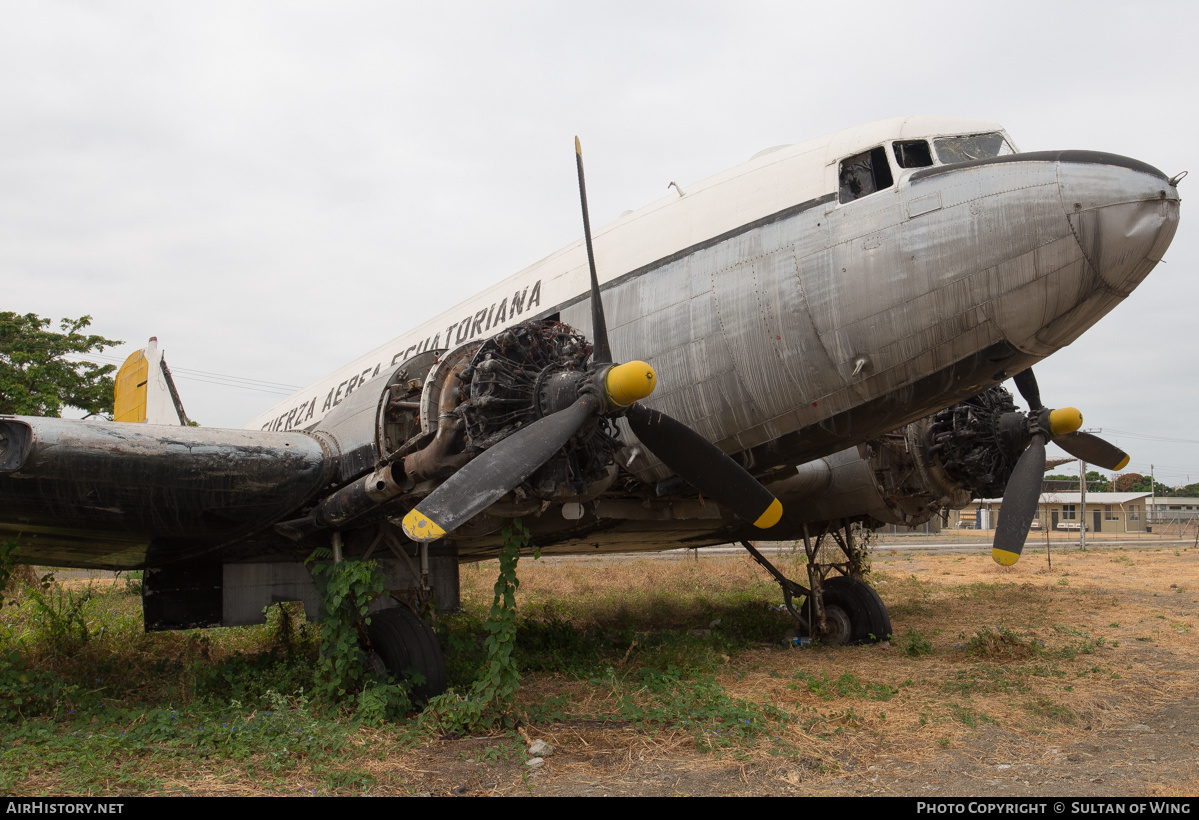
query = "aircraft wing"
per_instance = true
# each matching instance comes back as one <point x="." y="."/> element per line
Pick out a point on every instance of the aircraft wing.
<point x="119" y="496"/>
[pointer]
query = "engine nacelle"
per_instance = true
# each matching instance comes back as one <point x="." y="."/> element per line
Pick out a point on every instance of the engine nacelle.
<point x="906" y="477"/>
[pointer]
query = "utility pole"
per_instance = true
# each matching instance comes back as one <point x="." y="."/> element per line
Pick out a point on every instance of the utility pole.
<point x="1082" y="511"/>
<point x="1082" y="506"/>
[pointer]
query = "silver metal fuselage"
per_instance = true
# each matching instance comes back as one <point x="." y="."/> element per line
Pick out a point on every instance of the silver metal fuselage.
<point x="759" y="336"/>
<point x="786" y="325"/>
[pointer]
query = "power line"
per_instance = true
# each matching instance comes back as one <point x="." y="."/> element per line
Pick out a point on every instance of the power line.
<point x="207" y="377"/>
<point x="256" y="389"/>
<point x="1148" y="437"/>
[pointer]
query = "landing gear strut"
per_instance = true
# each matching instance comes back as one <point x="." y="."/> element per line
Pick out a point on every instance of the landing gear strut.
<point x="840" y="609"/>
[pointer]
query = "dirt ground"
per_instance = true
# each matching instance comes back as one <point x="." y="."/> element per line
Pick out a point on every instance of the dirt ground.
<point x="1118" y="719"/>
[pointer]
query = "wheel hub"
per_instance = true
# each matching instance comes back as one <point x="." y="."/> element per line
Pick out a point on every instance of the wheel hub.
<point x="839" y="630"/>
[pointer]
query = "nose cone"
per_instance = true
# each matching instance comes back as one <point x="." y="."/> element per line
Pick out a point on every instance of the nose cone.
<point x="1123" y="214"/>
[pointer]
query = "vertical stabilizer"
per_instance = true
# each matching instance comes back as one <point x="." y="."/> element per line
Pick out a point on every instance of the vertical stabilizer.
<point x="145" y="392"/>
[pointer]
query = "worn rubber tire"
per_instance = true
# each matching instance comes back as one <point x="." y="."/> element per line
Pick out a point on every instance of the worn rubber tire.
<point x="406" y="643"/>
<point x="870" y="622"/>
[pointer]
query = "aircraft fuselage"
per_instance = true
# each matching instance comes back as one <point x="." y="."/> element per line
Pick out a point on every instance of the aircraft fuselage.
<point x="775" y="311"/>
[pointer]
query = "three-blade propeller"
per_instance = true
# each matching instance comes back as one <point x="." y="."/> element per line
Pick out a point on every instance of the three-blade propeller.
<point x="608" y="390"/>
<point x="1023" y="491"/>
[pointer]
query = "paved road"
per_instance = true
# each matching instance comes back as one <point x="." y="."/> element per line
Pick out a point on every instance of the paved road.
<point x="955" y="543"/>
<point x="916" y="543"/>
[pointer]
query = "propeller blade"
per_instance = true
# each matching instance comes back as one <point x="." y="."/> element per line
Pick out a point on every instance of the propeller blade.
<point x="599" y="327"/>
<point x="1020" y="500"/>
<point x="704" y="466"/>
<point x="1026" y="383"/>
<point x="495" y="471"/>
<point x="1093" y="450"/>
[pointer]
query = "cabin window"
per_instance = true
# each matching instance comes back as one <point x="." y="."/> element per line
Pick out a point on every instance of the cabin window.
<point x="865" y="173"/>
<point x="971" y="146"/>
<point x="913" y="154"/>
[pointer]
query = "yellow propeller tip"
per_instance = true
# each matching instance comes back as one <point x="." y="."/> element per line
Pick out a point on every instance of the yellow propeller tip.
<point x="1123" y="463"/>
<point x="419" y="527"/>
<point x="578" y="147"/>
<point x="771" y="517"/>
<point x="1003" y="557"/>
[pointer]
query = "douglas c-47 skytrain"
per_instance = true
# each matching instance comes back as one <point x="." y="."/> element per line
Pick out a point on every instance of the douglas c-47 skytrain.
<point x="809" y="340"/>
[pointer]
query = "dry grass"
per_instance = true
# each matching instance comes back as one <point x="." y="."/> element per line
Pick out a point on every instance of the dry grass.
<point x="1023" y="660"/>
<point x="1075" y="679"/>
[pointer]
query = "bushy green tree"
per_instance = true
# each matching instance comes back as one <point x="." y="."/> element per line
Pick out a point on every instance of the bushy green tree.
<point x="35" y="377"/>
<point x="1096" y="482"/>
<point x="1148" y="485"/>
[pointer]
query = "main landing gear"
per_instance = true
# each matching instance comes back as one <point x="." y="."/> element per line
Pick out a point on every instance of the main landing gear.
<point x="397" y="638"/>
<point x="408" y="648"/>
<point x="837" y="610"/>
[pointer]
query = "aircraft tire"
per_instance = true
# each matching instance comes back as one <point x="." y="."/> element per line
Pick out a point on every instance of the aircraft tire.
<point x="869" y="621"/>
<point x="406" y="643"/>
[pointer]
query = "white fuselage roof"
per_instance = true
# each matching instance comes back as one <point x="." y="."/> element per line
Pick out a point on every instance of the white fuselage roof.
<point x="772" y="181"/>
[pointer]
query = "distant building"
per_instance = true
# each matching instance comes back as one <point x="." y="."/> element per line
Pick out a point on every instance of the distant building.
<point x="1062" y="512"/>
<point x="1170" y="509"/>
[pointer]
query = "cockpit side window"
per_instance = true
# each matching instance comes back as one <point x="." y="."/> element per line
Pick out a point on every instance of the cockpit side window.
<point x="913" y="154"/>
<point x="971" y="146"/>
<point x="865" y="173"/>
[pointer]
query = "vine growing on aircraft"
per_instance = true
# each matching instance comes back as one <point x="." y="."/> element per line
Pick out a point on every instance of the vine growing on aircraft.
<point x="491" y="698"/>
<point x="346" y="589"/>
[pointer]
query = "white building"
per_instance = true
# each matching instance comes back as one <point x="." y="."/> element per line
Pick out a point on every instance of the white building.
<point x="1063" y="512"/>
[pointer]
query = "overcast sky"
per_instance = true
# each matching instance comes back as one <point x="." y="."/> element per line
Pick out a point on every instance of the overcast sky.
<point x="275" y="188"/>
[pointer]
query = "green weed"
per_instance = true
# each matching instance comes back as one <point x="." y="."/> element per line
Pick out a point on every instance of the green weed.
<point x="1043" y="707"/>
<point x="59" y="613"/>
<point x="985" y="679"/>
<point x="969" y="717"/>
<point x="915" y="644"/>
<point x="701" y="705"/>
<point x="26" y="692"/>
<point x="846" y="686"/>
<point x="8" y="559"/>
<point x="1001" y="642"/>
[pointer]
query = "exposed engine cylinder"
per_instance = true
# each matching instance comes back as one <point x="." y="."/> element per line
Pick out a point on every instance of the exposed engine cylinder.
<point x="969" y="445"/>
<point x="523" y="374"/>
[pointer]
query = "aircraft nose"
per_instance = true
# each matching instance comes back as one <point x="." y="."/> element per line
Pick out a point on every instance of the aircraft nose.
<point x="1123" y="213"/>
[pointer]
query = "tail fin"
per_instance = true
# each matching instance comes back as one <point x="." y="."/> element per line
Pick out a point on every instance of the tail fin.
<point x="145" y="392"/>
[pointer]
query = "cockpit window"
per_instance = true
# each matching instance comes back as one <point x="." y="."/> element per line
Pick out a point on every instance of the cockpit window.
<point x="971" y="146"/>
<point x="865" y="173"/>
<point x="913" y="154"/>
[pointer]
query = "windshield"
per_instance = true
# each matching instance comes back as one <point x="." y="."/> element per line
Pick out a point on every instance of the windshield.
<point x="971" y="146"/>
